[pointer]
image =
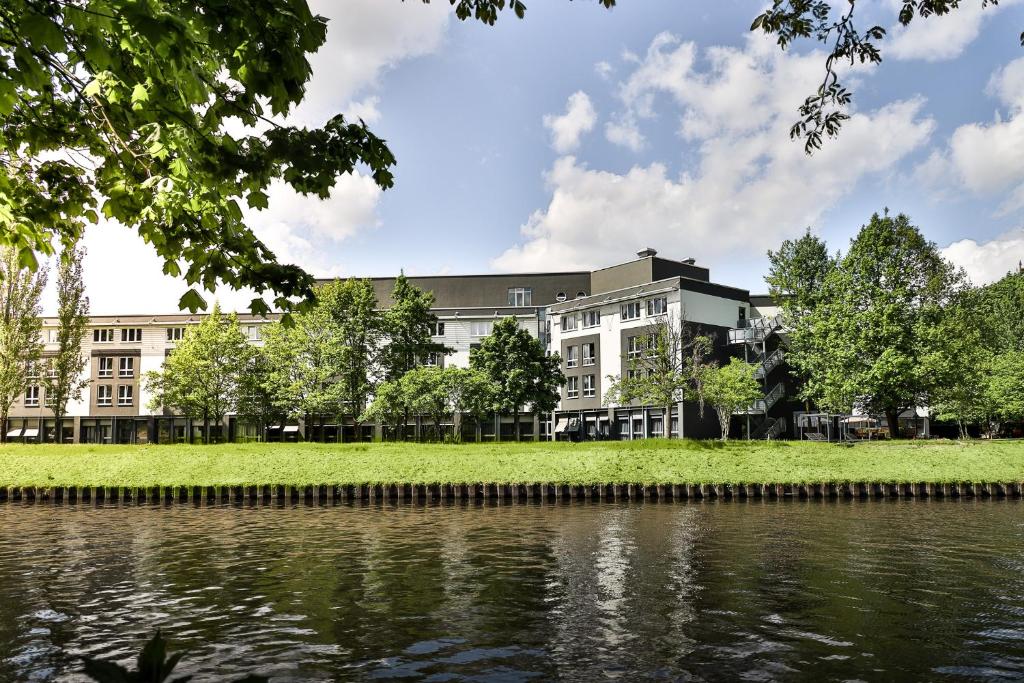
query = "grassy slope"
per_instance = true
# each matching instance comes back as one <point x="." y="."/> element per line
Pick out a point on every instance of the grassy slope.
<point x="640" y="461"/>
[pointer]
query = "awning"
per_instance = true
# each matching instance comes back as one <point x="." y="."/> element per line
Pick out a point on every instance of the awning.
<point x="563" y="422"/>
<point x="13" y="433"/>
<point x="859" y="419"/>
<point x="31" y="432"/>
<point x="291" y="428"/>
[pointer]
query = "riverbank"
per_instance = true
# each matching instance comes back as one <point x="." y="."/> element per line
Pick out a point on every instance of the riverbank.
<point x="589" y="464"/>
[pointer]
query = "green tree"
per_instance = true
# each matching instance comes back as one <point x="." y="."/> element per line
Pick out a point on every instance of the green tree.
<point x="409" y="323"/>
<point x="797" y="272"/>
<point x="523" y="375"/>
<point x="729" y="388"/>
<point x="20" y="326"/>
<point x="872" y="342"/>
<point x="427" y="395"/>
<point x="1006" y="386"/>
<point x="257" y="402"/>
<point x="671" y="368"/>
<point x="389" y="406"/>
<point x="999" y="307"/>
<point x="823" y="113"/>
<point x="353" y="306"/>
<point x="470" y="393"/>
<point x="64" y="379"/>
<point x="200" y="378"/>
<point x="305" y="358"/>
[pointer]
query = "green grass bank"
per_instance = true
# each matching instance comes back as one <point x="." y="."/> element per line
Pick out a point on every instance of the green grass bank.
<point x="653" y="461"/>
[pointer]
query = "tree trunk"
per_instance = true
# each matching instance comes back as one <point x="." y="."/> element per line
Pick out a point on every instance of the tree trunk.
<point x="206" y="429"/>
<point x="666" y="422"/>
<point x="515" y="416"/>
<point x="58" y="428"/>
<point x="893" y="418"/>
<point x="723" y="422"/>
<point x="3" y="426"/>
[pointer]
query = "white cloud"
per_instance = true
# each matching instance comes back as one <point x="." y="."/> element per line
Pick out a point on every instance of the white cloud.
<point x="623" y="131"/>
<point x="985" y="157"/>
<point x="566" y="130"/>
<point x="939" y="38"/>
<point x="987" y="262"/>
<point x="365" y="110"/>
<point x="604" y="69"/>
<point x="749" y="184"/>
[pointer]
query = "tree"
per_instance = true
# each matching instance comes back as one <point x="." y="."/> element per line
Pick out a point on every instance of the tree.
<point x="20" y="325"/>
<point x="389" y="405"/>
<point x="201" y="377"/>
<point x="469" y="392"/>
<point x="797" y="272"/>
<point x="523" y="375"/>
<point x="64" y="378"/>
<point x="999" y="307"/>
<point x="730" y="388"/>
<point x="256" y="401"/>
<point x="872" y="342"/>
<point x="353" y="306"/>
<point x="409" y="323"/>
<point x="426" y="395"/>
<point x="670" y="368"/>
<point x="305" y="359"/>
<point x="1006" y="386"/>
<point x="790" y="20"/>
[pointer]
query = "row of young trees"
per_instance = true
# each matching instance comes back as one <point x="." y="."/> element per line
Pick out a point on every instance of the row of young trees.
<point x="22" y="363"/>
<point x="328" y="362"/>
<point x="891" y="325"/>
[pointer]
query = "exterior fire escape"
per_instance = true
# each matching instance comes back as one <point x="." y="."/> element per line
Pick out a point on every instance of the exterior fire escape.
<point x="755" y="335"/>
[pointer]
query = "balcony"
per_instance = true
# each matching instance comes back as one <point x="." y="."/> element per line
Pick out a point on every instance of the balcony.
<point x="773" y="361"/>
<point x="756" y="330"/>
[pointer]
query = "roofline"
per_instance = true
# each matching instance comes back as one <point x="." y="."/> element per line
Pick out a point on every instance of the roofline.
<point x="463" y="275"/>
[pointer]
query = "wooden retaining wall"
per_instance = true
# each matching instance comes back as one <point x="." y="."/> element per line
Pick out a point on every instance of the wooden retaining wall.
<point x="502" y="493"/>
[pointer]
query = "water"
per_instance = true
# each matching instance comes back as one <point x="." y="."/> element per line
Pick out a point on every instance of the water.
<point x="761" y="591"/>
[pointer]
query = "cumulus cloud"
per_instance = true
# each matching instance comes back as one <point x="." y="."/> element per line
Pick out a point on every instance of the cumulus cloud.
<point x="987" y="262"/>
<point x="939" y="38"/>
<point x="749" y="184"/>
<point x="568" y="128"/>
<point x="985" y="158"/>
<point x="623" y="131"/>
<point x="604" y="69"/>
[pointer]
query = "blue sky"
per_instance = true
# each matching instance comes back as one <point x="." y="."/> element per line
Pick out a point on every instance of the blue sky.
<point x="579" y="135"/>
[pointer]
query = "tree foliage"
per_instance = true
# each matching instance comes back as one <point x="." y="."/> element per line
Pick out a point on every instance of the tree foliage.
<point x="409" y="323"/>
<point x="524" y="376"/>
<point x="822" y="114"/>
<point x="797" y="272"/>
<point x="64" y="378"/>
<point x="671" y="367"/>
<point x="353" y="306"/>
<point x="875" y="340"/>
<point x="202" y="375"/>
<point x="729" y="388"/>
<point x="20" y="326"/>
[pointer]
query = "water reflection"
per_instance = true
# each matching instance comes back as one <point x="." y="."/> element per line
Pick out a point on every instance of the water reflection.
<point x="840" y="590"/>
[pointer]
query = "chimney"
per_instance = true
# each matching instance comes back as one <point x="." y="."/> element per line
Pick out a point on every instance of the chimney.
<point x="644" y="253"/>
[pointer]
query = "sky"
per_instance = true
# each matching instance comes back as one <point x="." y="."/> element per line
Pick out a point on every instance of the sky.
<point x="580" y="135"/>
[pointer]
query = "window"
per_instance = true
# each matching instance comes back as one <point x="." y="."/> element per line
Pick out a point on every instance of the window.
<point x="437" y="329"/>
<point x="480" y="328"/>
<point x="568" y="323"/>
<point x="104" y="395"/>
<point x="635" y="346"/>
<point x="589" y="350"/>
<point x="106" y="367"/>
<point x="560" y="297"/>
<point x="589" y="386"/>
<point x="125" y="393"/>
<point x="131" y="334"/>
<point x="31" y="397"/>
<point x="520" y="296"/>
<point x="175" y="333"/>
<point x="630" y="311"/>
<point x="591" y="318"/>
<point x="51" y="367"/>
<point x="633" y="374"/>
<point x="572" y="357"/>
<point x="103" y="336"/>
<point x="657" y="306"/>
<point x="51" y="336"/>
<point x="572" y="387"/>
<point x="431" y="359"/>
<point x="743" y="313"/>
<point x="126" y="367"/>
<point x="32" y="369"/>
<point x="580" y="294"/>
<point x="252" y="332"/>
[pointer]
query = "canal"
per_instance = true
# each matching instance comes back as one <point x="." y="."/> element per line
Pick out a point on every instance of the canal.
<point x="840" y="590"/>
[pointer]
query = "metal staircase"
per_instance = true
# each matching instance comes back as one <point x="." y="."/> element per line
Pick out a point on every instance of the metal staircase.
<point x="754" y="334"/>
<point x="770" y="429"/>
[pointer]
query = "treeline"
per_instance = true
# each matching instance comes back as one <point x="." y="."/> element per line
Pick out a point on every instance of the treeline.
<point x="345" y="359"/>
<point x="891" y="325"/>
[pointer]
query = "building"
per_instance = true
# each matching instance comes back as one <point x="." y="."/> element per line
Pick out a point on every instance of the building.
<point x="591" y="318"/>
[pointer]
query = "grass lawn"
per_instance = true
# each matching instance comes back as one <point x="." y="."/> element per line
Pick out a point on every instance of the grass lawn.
<point x="652" y="461"/>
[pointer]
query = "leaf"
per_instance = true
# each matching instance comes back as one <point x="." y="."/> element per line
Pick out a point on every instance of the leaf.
<point x="42" y="31"/>
<point x="192" y="301"/>
<point x="92" y="88"/>
<point x="139" y="93"/>
<point x="258" y="200"/>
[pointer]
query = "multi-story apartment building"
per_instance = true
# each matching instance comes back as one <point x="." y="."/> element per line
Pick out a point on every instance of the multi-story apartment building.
<point x="593" y="319"/>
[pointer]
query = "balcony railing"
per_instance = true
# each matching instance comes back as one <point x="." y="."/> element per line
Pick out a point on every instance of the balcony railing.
<point x="755" y="330"/>
<point x="773" y="361"/>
